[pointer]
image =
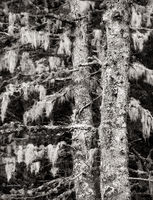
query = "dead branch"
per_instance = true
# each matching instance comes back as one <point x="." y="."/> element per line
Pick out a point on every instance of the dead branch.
<point x="139" y="172"/>
<point x="87" y="105"/>
<point x="140" y="179"/>
<point x="138" y="155"/>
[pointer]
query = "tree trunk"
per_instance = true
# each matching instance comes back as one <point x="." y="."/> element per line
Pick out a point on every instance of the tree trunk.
<point x="82" y="140"/>
<point x="80" y="56"/>
<point x="113" y="128"/>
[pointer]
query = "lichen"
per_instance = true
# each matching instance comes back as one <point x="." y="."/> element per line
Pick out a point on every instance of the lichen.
<point x="65" y="44"/>
<point x="84" y="6"/>
<point x="10" y="164"/>
<point x="35" y="38"/>
<point x="20" y="154"/>
<point x="6" y="99"/>
<point x="136" y="71"/>
<point x="29" y="154"/>
<point x="26" y="64"/>
<point x="12" y="19"/>
<point x="137" y="112"/>
<point x="9" y="61"/>
<point x="139" y="39"/>
<point x="136" y="18"/>
<point x="54" y="63"/>
<point x="35" y="167"/>
<point x="134" y="109"/>
<point x="97" y="35"/>
<point x="53" y="153"/>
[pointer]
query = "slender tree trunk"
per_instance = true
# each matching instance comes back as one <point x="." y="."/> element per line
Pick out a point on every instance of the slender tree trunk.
<point x="82" y="139"/>
<point x="113" y="128"/>
<point x="80" y="56"/>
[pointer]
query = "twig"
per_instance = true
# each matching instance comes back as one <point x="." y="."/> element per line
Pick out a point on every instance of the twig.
<point x="97" y="59"/>
<point x="64" y="194"/>
<point x="141" y="28"/>
<point x="134" y="141"/>
<point x="17" y="118"/>
<point x="4" y="33"/>
<point x="94" y="73"/>
<point x="88" y="104"/>
<point x="88" y="64"/>
<point x="139" y="172"/>
<point x="48" y="184"/>
<point x="51" y="15"/>
<point x="138" y="155"/>
<point x="140" y="179"/>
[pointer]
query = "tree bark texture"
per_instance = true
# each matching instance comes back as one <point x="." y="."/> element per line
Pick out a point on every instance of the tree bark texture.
<point x="80" y="56"/>
<point x="83" y="161"/>
<point x="113" y="128"/>
<point x="82" y="139"/>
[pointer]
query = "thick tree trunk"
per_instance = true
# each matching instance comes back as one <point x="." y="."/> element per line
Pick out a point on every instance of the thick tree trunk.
<point x="82" y="140"/>
<point x="113" y="128"/>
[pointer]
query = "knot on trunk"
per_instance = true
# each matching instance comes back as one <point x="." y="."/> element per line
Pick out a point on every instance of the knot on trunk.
<point x="117" y="16"/>
<point x="109" y="192"/>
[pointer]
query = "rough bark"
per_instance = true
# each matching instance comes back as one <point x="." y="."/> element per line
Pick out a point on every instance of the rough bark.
<point x="80" y="56"/>
<point x="113" y="128"/>
<point x="82" y="140"/>
<point x="83" y="161"/>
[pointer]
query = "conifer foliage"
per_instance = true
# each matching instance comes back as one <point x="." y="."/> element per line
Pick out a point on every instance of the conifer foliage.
<point x="57" y="61"/>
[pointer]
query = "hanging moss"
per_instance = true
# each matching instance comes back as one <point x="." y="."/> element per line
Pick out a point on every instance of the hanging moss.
<point x="97" y="35"/>
<point x="35" y="38"/>
<point x="136" y="18"/>
<point x="65" y="44"/>
<point x="9" y="61"/>
<point x="137" y="112"/>
<point x="54" y="63"/>
<point x="26" y="64"/>
<point x="12" y="19"/>
<point x="9" y="167"/>
<point x="139" y="39"/>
